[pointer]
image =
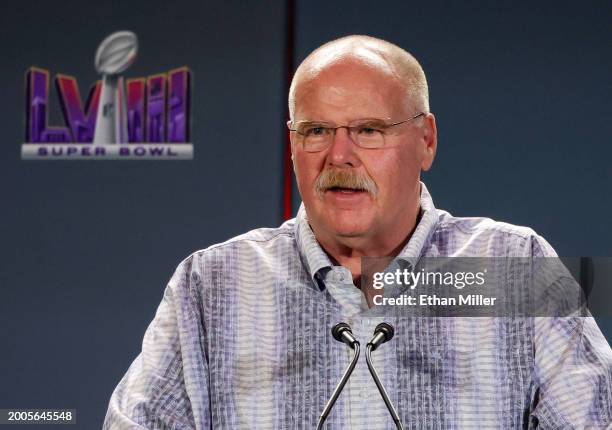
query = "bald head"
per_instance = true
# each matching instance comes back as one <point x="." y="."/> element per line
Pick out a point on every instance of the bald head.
<point x="366" y="53"/>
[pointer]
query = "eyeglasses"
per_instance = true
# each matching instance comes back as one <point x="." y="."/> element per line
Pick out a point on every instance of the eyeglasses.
<point x="369" y="134"/>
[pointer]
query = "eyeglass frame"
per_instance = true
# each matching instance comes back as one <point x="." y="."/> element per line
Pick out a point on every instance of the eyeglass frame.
<point x="350" y="131"/>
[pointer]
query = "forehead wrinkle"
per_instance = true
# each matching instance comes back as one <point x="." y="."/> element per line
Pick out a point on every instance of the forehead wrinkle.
<point x="329" y="86"/>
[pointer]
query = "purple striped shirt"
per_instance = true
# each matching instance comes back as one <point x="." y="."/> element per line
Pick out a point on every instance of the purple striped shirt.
<point x="241" y="340"/>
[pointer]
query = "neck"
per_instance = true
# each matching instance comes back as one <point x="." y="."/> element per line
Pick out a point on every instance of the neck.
<point x="348" y="251"/>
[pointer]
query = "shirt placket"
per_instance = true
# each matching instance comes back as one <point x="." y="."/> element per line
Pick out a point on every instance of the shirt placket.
<point x="363" y="405"/>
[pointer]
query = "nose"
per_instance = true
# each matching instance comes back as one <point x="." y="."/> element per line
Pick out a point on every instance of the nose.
<point x="342" y="150"/>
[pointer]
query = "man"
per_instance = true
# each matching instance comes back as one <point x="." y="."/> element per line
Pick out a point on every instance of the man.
<point x="241" y="337"/>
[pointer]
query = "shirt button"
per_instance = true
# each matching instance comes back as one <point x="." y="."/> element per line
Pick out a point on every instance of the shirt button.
<point x="346" y="277"/>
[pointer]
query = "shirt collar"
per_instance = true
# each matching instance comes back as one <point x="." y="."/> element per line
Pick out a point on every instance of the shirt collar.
<point x="422" y="233"/>
<point x="317" y="260"/>
<point x="310" y="251"/>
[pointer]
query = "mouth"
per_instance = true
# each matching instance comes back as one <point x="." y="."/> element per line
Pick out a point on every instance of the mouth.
<point x="344" y="190"/>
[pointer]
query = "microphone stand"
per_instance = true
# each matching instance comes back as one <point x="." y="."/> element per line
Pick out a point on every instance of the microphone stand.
<point x="381" y="389"/>
<point x="341" y="384"/>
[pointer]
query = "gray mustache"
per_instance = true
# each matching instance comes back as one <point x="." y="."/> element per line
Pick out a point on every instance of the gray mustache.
<point x="331" y="178"/>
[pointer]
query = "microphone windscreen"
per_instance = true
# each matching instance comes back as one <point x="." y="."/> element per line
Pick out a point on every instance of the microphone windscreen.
<point x="386" y="329"/>
<point x="338" y="329"/>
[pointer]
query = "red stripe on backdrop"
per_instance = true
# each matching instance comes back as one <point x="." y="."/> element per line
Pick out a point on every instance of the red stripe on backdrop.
<point x="288" y="183"/>
<point x="289" y="53"/>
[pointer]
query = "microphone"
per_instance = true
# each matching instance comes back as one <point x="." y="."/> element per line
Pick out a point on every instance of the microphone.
<point x="382" y="333"/>
<point x="342" y="333"/>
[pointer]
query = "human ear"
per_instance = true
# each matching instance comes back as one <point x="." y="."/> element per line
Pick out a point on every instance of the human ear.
<point x="430" y="140"/>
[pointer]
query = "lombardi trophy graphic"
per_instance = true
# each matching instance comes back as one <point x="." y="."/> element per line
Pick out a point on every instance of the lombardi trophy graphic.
<point x="114" y="55"/>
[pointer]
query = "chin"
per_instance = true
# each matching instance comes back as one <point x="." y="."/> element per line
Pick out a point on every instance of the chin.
<point x="343" y="222"/>
<point x="348" y="228"/>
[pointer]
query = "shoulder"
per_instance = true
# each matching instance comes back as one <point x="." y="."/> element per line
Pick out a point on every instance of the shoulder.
<point x="258" y="246"/>
<point x="257" y="238"/>
<point x="481" y="236"/>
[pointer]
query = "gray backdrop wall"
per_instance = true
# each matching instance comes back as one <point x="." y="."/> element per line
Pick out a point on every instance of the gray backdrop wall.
<point x="521" y="93"/>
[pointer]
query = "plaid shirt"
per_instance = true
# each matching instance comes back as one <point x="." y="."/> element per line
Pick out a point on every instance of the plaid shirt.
<point x="241" y="340"/>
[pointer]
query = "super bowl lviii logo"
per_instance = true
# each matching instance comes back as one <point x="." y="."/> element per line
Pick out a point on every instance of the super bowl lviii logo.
<point x="137" y="118"/>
